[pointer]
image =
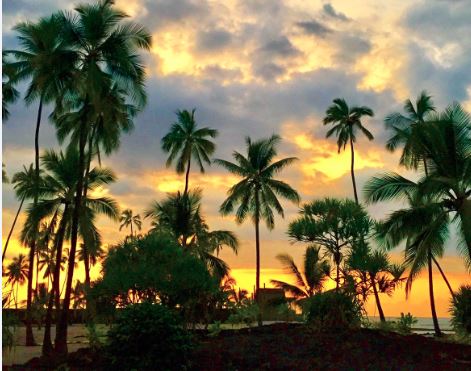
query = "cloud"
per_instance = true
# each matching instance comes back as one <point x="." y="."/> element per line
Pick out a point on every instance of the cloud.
<point x="329" y="10"/>
<point x="213" y="40"/>
<point x="280" y="47"/>
<point x="314" y="27"/>
<point x="269" y="71"/>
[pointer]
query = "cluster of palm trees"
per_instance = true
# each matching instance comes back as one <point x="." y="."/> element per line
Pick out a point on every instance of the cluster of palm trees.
<point x="86" y="65"/>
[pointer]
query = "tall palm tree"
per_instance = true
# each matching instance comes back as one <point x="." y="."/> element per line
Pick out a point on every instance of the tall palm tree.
<point x="422" y="225"/>
<point x="24" y="184"/>
<point x="9" y="92"/>
<point x="310" y="280"/>
<point x="17" y="274"/>
<point x="92" y="253"/>
<point x="47" y="61"/>
<point x="406" y="130"/>
<point x="186" y="141"/>
<point x="127" y="219"/>
<point x="347" y="121"/>
<point x="256" y="194"/>
<point x="108" y="54"/>
<point x="336" y="225"/>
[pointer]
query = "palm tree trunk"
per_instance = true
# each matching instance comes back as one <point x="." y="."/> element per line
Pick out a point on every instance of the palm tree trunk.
<point x="378" y="303"/>
<point x="444" y="277"/>
<point x="61" y="336"/>
<point x="187" y="176"/>
<point x="131" y="229"/>
<point x="12" y="227"/>
<point x="352" y="170"/>
<point x="257" y="253"/>
<point x="29" y="326"/>
<point x="432" y="300"/>
<point x="54" y="294"/>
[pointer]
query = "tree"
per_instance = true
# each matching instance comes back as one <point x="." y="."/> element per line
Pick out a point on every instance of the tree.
<point x="372" y="272"/>
<point x="180" y="215"/>
<point x="9" y="92"/>
<point x="336" y="225"/>
<point x="347" y="121"/>
<point x="108" y="56"/>
<point x="406" y="130"/>
<point x="309" y="281"/>
<point x="422" y="225"/>
<point x="47" y="61"/>
<point x="17" y="274"/>
<point x="185" y="141"/>
<point x="127" y="219"/>
<point x="256" y="194"/>
<point x="24" y="184"/>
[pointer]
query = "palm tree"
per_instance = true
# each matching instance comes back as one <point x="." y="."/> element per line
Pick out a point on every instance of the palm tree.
<point x="108" y="56"/>
<point x="127" y="219"/>
<point x="185" y="141"/>
<point x="256" y="194"/>
<point x="47" y="60"/>
<point x="25" y="188"/>
<point x="422" y="225"/>
<point x="17" y="274"/>
<point x="93" y="253"/>
<point x="309" y="281"/>
<point x="336" y="225"/>
<point x="180" y="215"/>
<point x="407" y="130"/>
<point x="347" y="121"/>
<point x="9" y="92"/>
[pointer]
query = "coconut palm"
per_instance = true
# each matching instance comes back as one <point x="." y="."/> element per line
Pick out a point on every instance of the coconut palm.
<point x="373" y="272"/>
<point x="406" y="130"/>
<point x="9" y="92"/>
<point x="47" y="61"/>
<point x="347" y="121"/>
<point x="185" y="141"/>
<point x="422" y="225"/>
<point x="336" y="225"/>
<point x="256" y="194"/>
<point x="180" y="215"/>
<point x="108" y="55"/>
<point x="24" y="184"/>
<point x="310" y="280"/>
<point x="17" y="274"/>
<point x="127" y="219"/>
<point x="93" y="253"/>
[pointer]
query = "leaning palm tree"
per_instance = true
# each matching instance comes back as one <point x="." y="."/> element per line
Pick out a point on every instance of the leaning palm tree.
<point x="310" y="281"/>
<point x="108" y="54"/>
<point x="24" y="184"/>
<point x="406" y="130"/>
<point x="185" y="141"/>
<point x="347" y="121"/>
<point x="47" y="61"/>
<point x="17" y="275"/>
<point x="128" y="219"/>
<point x="256" y="194"/>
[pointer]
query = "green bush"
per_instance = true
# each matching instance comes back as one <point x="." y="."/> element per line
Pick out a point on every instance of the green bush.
<point x="405" y="323"/>
<point x="332" y="309"/>
<point x="461" y="311"/>
<point x="148" y="337"/>
<point x="246" y="313"/>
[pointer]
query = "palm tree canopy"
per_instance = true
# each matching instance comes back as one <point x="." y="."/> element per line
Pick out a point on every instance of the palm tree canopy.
<point x="257" y="170"/>
<point x="186" y="141"/>
<point x="406" y="129"/>
<point x="17" y="270"/>
<point x="346" y="121"/>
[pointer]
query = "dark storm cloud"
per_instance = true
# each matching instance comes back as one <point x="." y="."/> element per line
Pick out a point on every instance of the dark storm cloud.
<point x="314" y="27"/>
<point x="329" y="10"/>
<point x="212" y="40"/>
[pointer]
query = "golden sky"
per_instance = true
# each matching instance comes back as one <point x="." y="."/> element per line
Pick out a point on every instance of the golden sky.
<point x="258" y="67"/>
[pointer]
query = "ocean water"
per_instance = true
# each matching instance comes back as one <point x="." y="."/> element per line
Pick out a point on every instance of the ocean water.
<point x="424" y="325"/>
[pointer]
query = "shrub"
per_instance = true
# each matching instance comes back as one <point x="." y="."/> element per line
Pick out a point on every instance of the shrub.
<point x="334" y="309"/>
<point x="246" y="313"/>
<point x="461" y="311"/>
<point x="405" y="323"/>
<point x="148" y="337"/>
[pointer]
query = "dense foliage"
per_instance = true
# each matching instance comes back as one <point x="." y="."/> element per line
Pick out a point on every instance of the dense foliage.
<point x="148" y="337"/>
<point x="461" y="310"/>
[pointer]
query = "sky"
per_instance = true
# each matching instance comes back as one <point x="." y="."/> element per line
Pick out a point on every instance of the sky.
<point x="256" y="68"/>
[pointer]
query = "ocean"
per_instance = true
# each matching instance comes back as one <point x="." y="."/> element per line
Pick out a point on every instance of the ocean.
<point x="424" y="325"/>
